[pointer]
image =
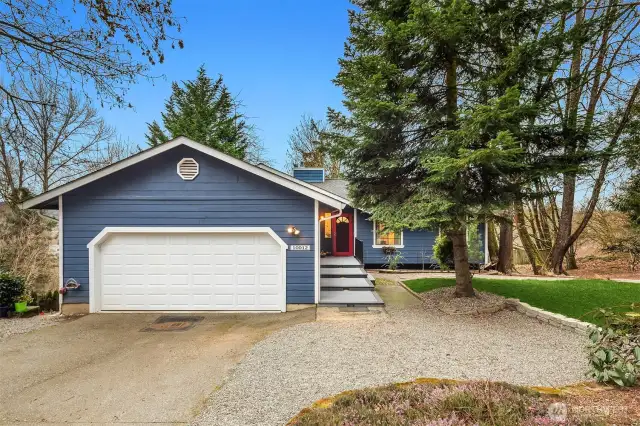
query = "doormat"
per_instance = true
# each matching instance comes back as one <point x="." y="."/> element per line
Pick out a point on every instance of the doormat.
<point x="173" y="323"/>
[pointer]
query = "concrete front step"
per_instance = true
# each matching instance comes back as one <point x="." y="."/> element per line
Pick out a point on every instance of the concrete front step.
<point x="339" y="262"/>
<point x="345" y="284"/>
<point x="349" y="298"/>
<point x="342" y="272"/>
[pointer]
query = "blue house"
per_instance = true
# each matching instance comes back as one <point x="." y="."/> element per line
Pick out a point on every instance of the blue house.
<point x="184" y="227"/>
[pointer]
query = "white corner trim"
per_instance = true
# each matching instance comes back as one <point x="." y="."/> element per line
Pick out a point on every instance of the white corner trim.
<point x="355" y="224"/>
<point x="60" y="252"/>
<point x="295" y="184"/>
<point x="374" y="245"/>
<point x="94" y="251"/>
<point x="316" y="255"/>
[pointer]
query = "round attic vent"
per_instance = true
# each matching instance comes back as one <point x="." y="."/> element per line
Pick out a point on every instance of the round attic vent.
<point x="188" y="169"/>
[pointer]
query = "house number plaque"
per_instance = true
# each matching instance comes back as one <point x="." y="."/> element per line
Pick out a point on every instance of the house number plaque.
<point x="300" y="247"/>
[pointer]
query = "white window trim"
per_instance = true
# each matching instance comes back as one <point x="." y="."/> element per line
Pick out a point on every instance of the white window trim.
<point x="386" y="245"/>
<point x="94" y="253"/>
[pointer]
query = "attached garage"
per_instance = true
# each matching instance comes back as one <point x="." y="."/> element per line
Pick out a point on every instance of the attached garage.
<point x="187" y="269"/>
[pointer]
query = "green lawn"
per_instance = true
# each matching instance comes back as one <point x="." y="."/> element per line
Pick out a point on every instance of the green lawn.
<point x="572" y="298"/>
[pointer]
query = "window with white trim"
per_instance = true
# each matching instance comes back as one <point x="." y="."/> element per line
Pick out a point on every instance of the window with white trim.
<point x="188" y="169"/>
<point x="382" y="238"/>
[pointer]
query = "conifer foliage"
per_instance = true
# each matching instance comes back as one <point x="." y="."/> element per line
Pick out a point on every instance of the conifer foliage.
<point x="205" y="111"/>
<point x="442" y="98"/>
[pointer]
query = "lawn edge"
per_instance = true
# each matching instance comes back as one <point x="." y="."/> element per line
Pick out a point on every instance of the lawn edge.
<point x="546" y="317"/>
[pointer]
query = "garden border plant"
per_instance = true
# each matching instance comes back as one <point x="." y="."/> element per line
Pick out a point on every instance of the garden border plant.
<point x="614" y="353"/>
<point x="12" y="289"/>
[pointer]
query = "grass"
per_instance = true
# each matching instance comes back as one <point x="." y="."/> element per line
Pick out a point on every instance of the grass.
<point x="573" y="298"/>
<point x="441" y="403"/>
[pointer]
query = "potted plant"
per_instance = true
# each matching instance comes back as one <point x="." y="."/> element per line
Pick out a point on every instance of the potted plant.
<point x="388" y="250"/>
<point x="324" y="253"/>
<point x="11" y="290"/>
<point x="22" y="303"/>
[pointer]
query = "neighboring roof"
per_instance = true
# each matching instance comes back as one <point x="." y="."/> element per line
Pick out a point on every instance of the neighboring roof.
<point x="338" y="187"/>
<point x="296" y="185"/>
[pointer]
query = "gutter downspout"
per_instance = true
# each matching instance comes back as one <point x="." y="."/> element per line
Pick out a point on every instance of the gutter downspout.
<point x="332" y="216"/>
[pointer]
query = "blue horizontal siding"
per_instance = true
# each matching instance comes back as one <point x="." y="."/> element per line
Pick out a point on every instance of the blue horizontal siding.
<point x="418" y="244"/>
<point x="151" y="193"/>
<point x="312" y="176"/>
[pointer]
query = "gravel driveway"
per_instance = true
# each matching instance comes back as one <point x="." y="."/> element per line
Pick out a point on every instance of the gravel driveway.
<point x="301" y="364"/>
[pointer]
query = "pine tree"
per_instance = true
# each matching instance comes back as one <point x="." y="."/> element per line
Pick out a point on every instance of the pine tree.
<point x="205" y="111"/>
<point x="442" y="99"/>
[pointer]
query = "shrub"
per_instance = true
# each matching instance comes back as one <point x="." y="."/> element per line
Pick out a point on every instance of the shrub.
<point x="27" y="242"/>
<point x="11" y="289"/>
<point x="394" y="260"/>
<point x="614" y="355"/>
<point x="443" y="252"/>
<point x="629" y="245"/>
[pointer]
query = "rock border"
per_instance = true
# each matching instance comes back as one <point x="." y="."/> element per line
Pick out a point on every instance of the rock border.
<point x="551" y="318"/>
<point x="547" y="317"/>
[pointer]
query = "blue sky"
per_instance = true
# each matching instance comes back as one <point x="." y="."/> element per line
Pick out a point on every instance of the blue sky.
<point x="280" y="56"/>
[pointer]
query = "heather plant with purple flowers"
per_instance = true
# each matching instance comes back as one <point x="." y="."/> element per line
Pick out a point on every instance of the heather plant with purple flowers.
<point x="438" y="403"/>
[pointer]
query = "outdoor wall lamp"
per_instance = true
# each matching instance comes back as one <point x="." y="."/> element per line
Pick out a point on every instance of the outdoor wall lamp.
<point x="293" y="230"/>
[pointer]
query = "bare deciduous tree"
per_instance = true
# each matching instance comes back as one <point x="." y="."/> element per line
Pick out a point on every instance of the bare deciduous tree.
<point x="603" y="91"/>
<point x="306" y="150"/>
<point x="53" y="140"/>
<point x="105" y="43"/>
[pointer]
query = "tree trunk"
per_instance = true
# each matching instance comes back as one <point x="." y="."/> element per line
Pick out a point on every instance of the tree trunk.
<point x="464" y="287"/>
<point x="493" y="242"/>
<point x="505" y="251"/>
<point x="525" y="238"/>
<point x="565" y="224"/>
<point x="571" y="258"/>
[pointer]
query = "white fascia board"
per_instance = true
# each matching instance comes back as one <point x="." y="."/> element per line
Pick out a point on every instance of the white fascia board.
<point x="297" y="186"/>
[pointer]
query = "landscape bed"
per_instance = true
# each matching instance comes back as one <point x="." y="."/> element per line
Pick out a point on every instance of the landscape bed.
<point x="574" y="298"/>
<point x="448" y="402"/>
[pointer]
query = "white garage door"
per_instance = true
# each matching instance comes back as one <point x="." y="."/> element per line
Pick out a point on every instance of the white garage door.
<point x="190" y="271"/>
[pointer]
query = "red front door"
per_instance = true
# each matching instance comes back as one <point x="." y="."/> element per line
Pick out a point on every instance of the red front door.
<point x="343" y="235"/>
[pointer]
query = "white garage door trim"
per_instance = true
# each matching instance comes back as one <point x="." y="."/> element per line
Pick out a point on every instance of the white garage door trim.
<point x="94" y="251"/>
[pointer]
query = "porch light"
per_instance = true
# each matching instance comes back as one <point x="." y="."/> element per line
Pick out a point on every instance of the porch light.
<point x="293" y="230"/>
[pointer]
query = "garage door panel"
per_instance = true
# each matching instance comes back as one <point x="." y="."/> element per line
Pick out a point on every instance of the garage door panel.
<point x="246" y="279"/>
<point x="191" y="271"/>
<point x="269" y="280"/>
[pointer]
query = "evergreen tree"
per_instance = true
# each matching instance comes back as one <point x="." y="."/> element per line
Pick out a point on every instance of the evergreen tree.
<point x="205" y="111"/>
<point x="442" y="99"/>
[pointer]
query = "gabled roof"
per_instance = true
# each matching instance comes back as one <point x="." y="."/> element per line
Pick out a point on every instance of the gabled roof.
<point x="296" y="185"/>
<point x="338" y="189"/>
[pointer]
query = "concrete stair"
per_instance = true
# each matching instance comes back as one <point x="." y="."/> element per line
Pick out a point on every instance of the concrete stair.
<point x="344" y="282"/>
